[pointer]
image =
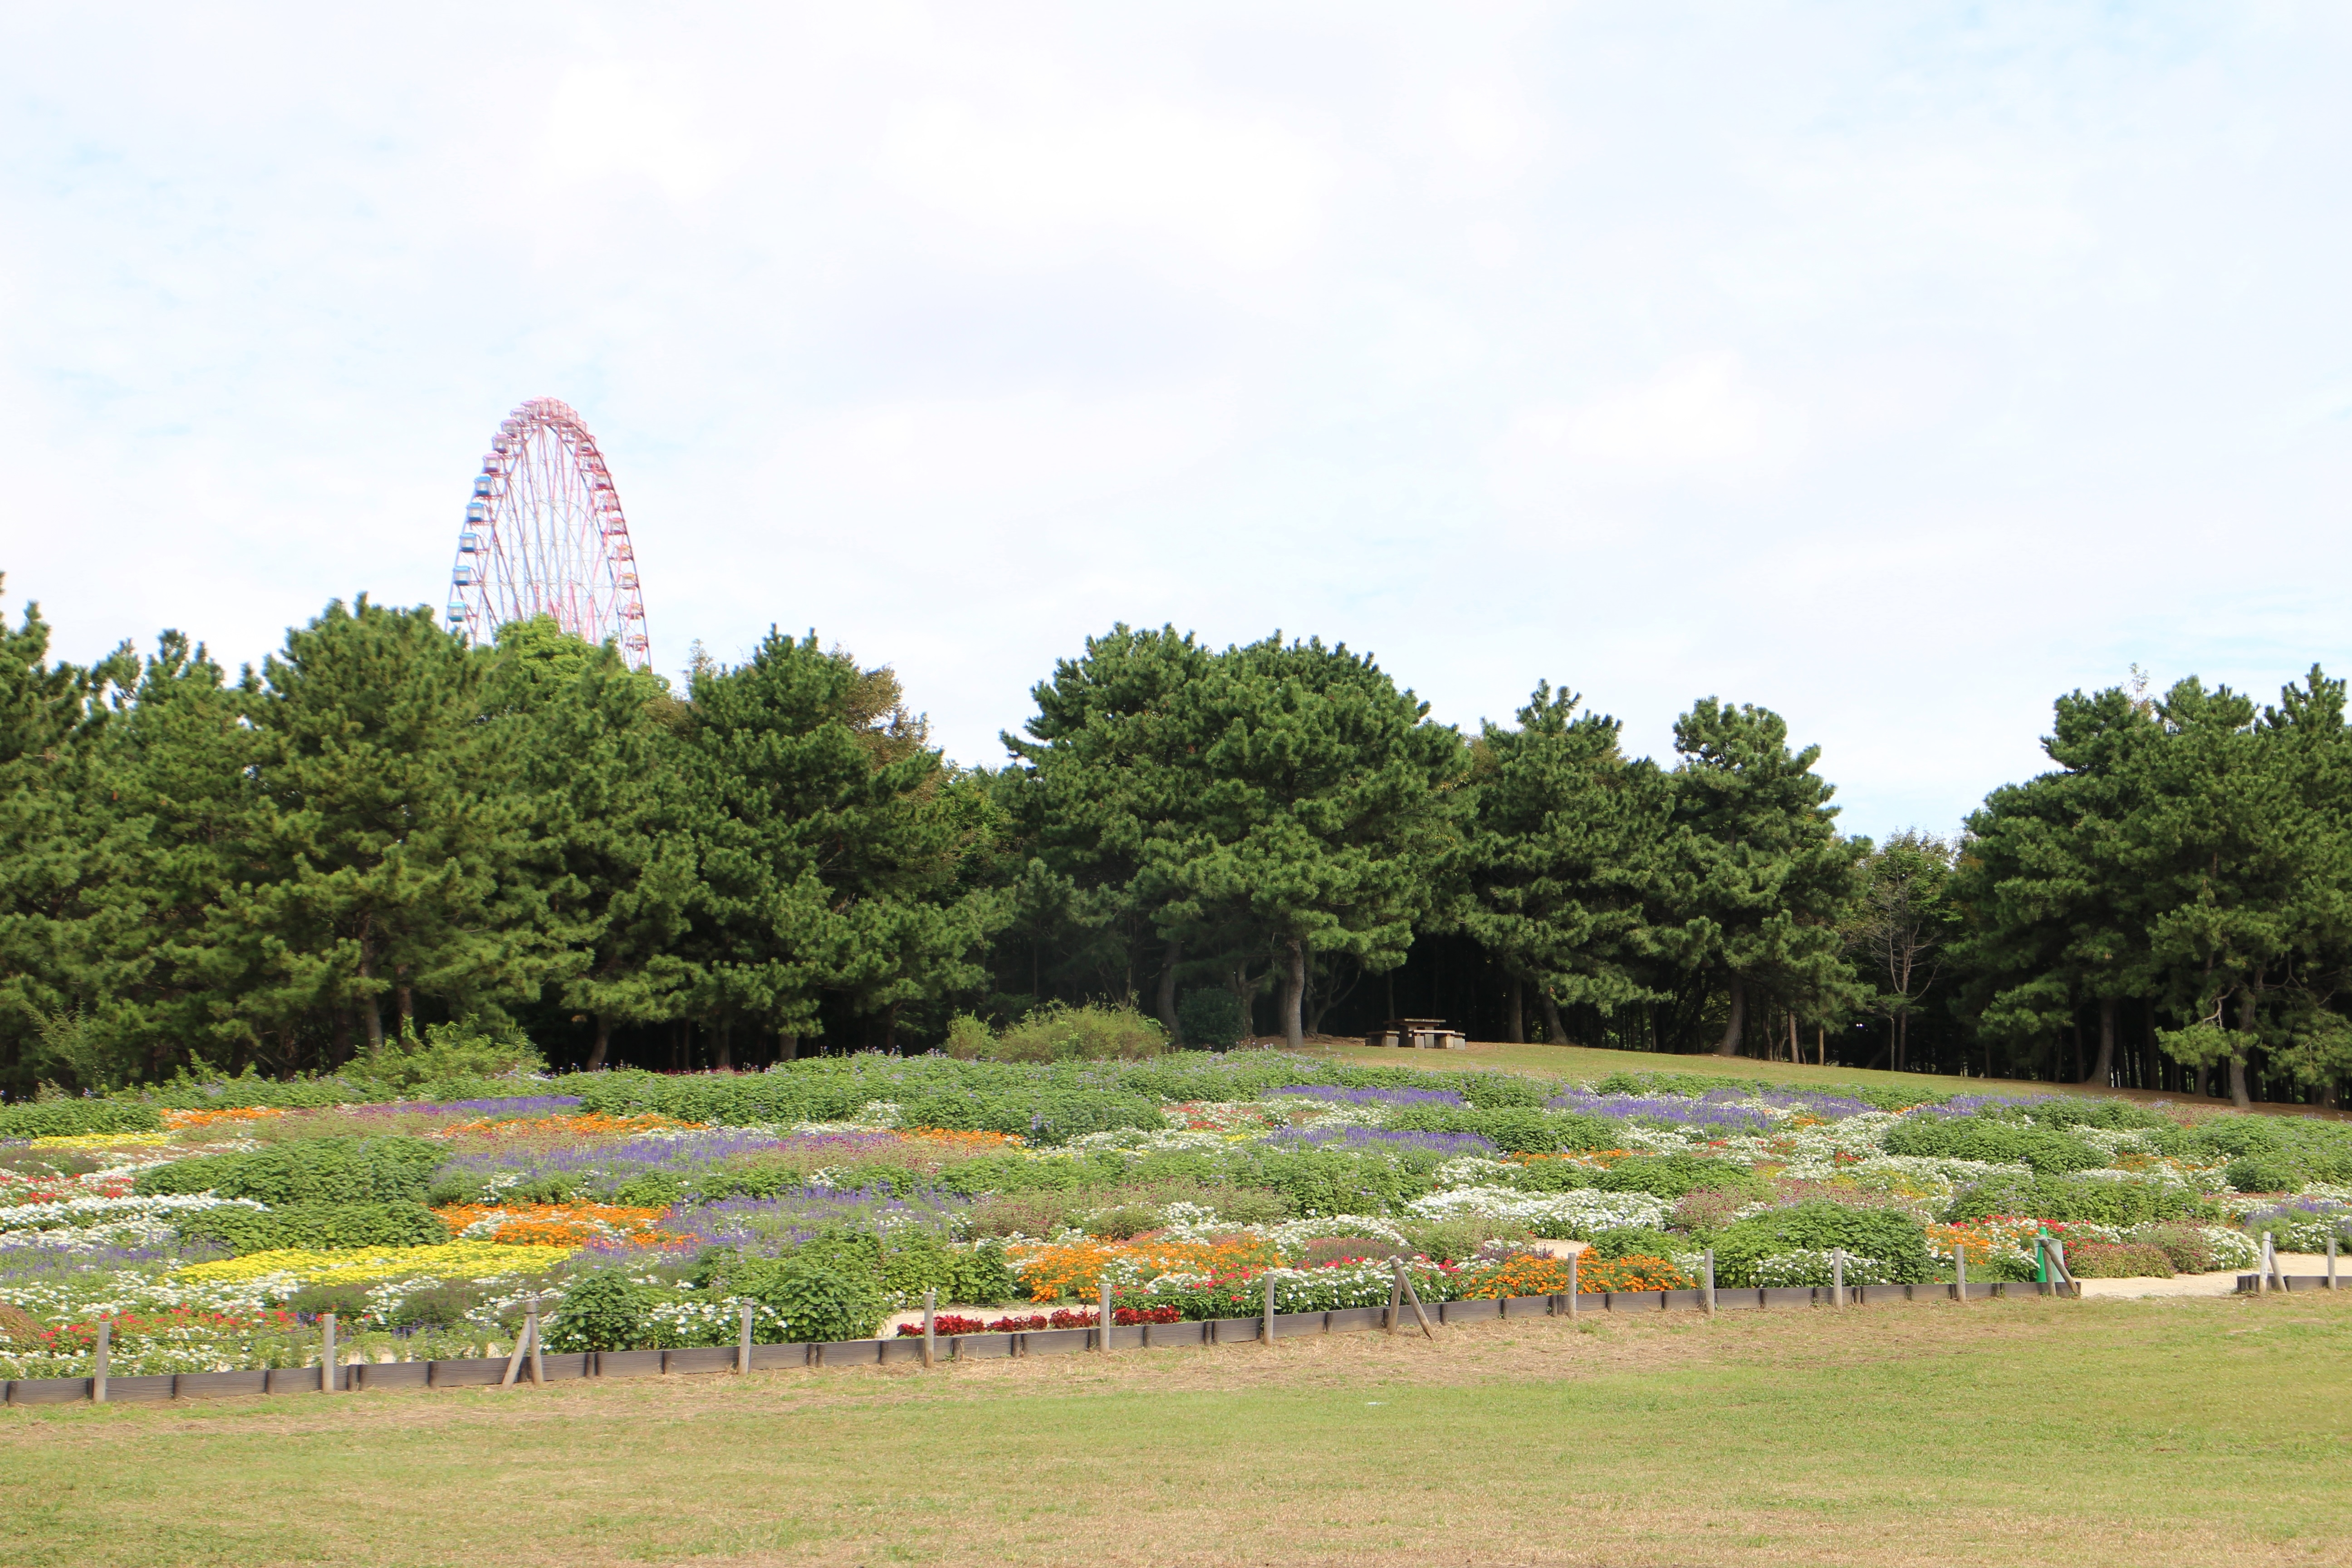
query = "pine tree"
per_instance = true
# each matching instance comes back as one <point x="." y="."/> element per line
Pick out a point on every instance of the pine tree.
<point x="1756" y="878"/>
<point x="1561" y="862"/>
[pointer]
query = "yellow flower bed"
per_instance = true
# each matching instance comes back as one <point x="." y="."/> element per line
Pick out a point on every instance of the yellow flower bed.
<point x="364" y="1266"/>
<point x="104" y="1141"/>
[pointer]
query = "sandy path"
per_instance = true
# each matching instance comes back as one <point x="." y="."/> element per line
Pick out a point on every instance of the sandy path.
<point x="2220" y="1284"/>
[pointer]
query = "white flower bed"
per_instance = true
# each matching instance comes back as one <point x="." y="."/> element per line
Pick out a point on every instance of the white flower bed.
<point x="1578" y="1214"/>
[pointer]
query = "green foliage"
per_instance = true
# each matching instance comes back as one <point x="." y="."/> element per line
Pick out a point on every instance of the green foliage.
<point x="307" y="1171"/>
<point x="817" y="1294"/>
<point x="446" y="1052"/>
<point x="2102" y="1202"/>
<point x="1893" y="1239"/>
<point x="1982" y="1138"/>
<point x="2263" y="1173"/>
<point x="1210" y="1017"/>
<point x="325" y="1226"/>
<point x="1671" y="1177"/>
<point x="1514" y="1129"/>
<point x="1091" y="1033"/>
<point x="73" y="1118"/>
<point x="1631" y="1240"/>
<point x="602" y="1311"/>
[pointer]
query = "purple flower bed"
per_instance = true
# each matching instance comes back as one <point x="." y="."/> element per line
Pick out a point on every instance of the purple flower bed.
<point x="790" y="1218"/>
<point x="1372" y="1096"/>
<point x="1679" y="1110"/>
<point x="1449" y="1144"/>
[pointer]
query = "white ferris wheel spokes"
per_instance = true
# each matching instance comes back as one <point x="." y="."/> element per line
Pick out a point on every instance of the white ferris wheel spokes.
<point x="544" y="536"/>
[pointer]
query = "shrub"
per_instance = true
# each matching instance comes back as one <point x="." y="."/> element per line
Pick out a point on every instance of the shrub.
<point x="1671" y="1177"/>
<point x="1500" y="1091"/>
<point x="307" y="1171"/>
<point x="446" y="1051"/>
<point x="1893" y="1239"/>
<point x="2101" y="1202"/>
<point x="1211" y="1018"/>
<point x="2117" y="1260"/>
<point x="968" y="1038"/>
<point x="1704" y="1212"/>
<point x="1094" y="1032"/>
<point x="1983" y="1138"/>
<point x="813" y="1301"/>
<point x="1513" y="1130"/>
<point x="323" y="1228"/>
<point x="1634" y="1241"/>
<point x="607" y="1312"/>
<point x="2262" y="1172"/>
<point x="74" y="1118"/>
<point x="1810" y="1266"/>
<point x="2190" y="1248"/>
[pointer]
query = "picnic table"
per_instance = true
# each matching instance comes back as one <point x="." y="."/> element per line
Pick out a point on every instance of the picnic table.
<point x="1422" y="1034"/>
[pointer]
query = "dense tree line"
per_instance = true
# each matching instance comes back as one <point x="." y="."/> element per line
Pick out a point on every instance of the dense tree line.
<point x="381" y="830"/>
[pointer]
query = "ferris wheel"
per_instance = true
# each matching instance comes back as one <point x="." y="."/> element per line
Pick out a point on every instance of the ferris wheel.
<point x="544" y="536"/>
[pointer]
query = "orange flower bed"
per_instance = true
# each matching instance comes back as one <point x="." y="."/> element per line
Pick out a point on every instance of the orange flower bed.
<point x="1055" y="1269"/>
<point x="584" y="1124"/>
<point x="557" y="1224"/>
<point x="971" y="1142"/>
<point x="1525" y="1275"/>
<point x="1634" y="1271"/>
<point x="181" y="1120"/>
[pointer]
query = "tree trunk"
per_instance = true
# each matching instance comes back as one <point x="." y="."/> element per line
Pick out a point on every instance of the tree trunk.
<point x="1168" y="960"/>
<point x="1735" y="1027"/>
<point x="2238" y="1095"/>
<point x="1294" y="993"/>
<point x="2106" y="1066"/>
<point x="722" y="1056"/>
<point x="405" y="999"/>
<point x="1553" y="1033"/>
<point x="1796" y="1050"/>
<point x="788" y="1047"/>
<point x="890" y="1029"/>
<point x="1518" y="1013"/>
<point x="1902" y="1039"/>
<point x="2202" y="1084"/>
<point x="603" y="1042"/>
<point x="1820" y="1044"/>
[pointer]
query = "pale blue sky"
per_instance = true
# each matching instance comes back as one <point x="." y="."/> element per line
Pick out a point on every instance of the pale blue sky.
<point x="1897" y="367"/>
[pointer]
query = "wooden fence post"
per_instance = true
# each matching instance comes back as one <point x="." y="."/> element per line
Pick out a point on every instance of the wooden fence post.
<point x="1571" y="1283"/>
<point x="1413" y="1296"/>
<point x="98" y="1361"/>
<point x="1837" y="1277"/>
<point x="1103" y="1318"/>
<point x="930" y="1325"/>
<point x="744" y="1345"/>
<point x="327" y="1367"/>
<point x="2331" y="1260"/>
<point x="1960" y="1272"/>
<point x="1268" y="1334"/>
<point x="2268" y="1266"/>
<point x="538" y="1350"/>
<point x="1710" y="1282"/>
<point x="1396" y="1297"/>
<point x="524" y="1342"/>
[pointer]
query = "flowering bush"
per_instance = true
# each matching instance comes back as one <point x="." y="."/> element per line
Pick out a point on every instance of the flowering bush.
<point x="187" y="1121"/>
<point x="1063" y="1318"/>
<point x="1807" y="1266"/>
<point x="1635" y="1271"/>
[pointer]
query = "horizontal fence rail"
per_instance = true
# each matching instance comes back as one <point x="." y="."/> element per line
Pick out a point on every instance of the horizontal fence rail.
<point x="487" y="1371"/>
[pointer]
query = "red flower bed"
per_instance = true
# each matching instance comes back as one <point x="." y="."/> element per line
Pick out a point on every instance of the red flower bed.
<point x="1067" y="1318"/>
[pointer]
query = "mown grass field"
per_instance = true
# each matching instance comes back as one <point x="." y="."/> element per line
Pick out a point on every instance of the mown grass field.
<point x="2092" y="1432"/>
<point x="1585" y="1065"/>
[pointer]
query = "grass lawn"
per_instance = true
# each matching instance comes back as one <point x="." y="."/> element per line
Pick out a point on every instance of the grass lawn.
<point x="1584" y="1065"/>
<point x="2090" y="1432"/>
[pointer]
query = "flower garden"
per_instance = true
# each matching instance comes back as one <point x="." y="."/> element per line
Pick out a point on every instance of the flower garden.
<point x="214" y="1224"/>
